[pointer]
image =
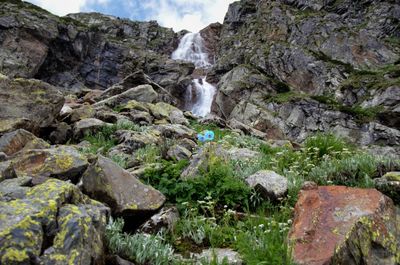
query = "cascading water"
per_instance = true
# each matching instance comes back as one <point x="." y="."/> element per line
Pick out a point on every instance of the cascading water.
<point x="200" y="93"/>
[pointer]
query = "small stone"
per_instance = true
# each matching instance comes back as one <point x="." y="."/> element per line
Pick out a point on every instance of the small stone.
<point x="85" y="126"/>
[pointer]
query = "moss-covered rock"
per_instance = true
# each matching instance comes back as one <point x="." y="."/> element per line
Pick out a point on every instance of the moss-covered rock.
<point x="63" y="162"/>
<point x="32" y="217"/>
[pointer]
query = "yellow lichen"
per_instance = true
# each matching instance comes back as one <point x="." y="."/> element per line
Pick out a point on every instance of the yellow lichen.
<point x="14" y="255"/>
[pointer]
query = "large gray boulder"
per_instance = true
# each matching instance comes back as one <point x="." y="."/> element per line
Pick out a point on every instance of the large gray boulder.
<point x="107" y="182"/>
<point x="28" y="104"/>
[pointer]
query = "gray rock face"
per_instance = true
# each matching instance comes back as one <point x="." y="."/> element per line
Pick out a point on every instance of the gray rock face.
<point x="389" y="185"/>
<point x="28" y="104"/>
<point x="269" y="184"/>
<point x="127" y="196"/>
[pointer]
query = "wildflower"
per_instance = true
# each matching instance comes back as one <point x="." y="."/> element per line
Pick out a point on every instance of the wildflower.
<point x="201" y="137"/>
<point x="209" y="135"/>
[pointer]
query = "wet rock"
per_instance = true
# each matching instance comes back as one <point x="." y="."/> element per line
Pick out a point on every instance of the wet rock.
<point x="87" y="126"/>
<point x="221" y="254"/>
<point x="143" y="93"/>
<point x="389" y="185"/>
<point x="27" y="104"/>
<point x="7" y="170"/>
<point x="269" y="184"/>
<point x="63" y="162"/>
<point x="166" y="219"/>
<point x="32" y="217"/>
<point x="178" y="153"/>
<point x="127" y="196"/>
<point x="341" y="225"/>
<point x="19" y="140"/>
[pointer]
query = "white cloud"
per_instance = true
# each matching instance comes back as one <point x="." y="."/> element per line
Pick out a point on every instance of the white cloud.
<point x="192" y="15"/>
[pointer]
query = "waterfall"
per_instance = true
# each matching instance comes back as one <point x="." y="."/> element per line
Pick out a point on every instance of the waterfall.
<point x="200" y="93"/>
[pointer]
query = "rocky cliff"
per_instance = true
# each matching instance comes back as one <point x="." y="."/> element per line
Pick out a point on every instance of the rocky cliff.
<point x="297" y="67"/>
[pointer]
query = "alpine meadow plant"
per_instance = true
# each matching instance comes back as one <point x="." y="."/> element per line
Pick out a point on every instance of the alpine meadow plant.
<point x="140" y="248"/>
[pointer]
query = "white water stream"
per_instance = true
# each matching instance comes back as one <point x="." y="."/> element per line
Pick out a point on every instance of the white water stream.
<point x="200" y="93"/>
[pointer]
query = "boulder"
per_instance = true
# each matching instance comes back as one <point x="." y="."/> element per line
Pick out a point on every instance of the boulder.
<point x="87" y="126"/>
<point x="83" y="112"/>
<point x="52" y="222"/>
<point x="178" y="152"/>
<point x="242" y="154"/>
<point x="63" y="162"/>
<point x="143" y="93"/>
<point x="105" y="181"/>
<point x="342" y="225"/>
<point x="165" y="219"/>
<point x="130" y="141"/>
<point x="28" y="104"/>
<point x="175" y="131"/>
<point x="20" y="140"/>
<point x="3" y="156"/>
<point x="269" y="184"/>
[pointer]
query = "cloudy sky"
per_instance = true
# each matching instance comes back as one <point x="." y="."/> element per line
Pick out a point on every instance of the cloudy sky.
<point x="192" y="15"/>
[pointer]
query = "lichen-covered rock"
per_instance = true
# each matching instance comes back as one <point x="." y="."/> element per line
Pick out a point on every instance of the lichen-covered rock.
<point x="20" y="140"/>
<point x="32" y="217"/>
<point x="341" y="225"/>
<point x="269" y="184"/>
<point x="63" y="162"/>
<point x="131" y="141"/>
<point x="28" y="104"/>
<point x="389" y="185"/>
<point x="105" y="181"/>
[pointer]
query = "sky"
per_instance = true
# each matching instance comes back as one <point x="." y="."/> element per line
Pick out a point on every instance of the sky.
<point x="192" y="15"/>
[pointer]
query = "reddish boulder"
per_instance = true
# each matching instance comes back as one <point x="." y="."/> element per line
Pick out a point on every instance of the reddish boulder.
<point x="342" y="225"/>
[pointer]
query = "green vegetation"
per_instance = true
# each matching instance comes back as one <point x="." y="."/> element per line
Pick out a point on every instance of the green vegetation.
<point x="218" y="210"/>
<point x="381" y="78"/>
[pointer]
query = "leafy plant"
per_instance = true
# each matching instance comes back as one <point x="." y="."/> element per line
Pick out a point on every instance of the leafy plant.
<point x="139" y="248"/>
